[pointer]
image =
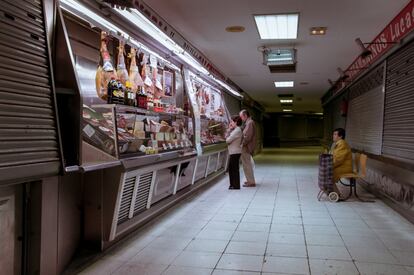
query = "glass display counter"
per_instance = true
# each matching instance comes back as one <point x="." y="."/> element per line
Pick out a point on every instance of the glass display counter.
<point x="123" y="131"/>
<point x="211" y="115"/>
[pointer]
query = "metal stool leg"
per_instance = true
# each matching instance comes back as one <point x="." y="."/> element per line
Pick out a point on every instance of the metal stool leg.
<point x="356" y="195"/>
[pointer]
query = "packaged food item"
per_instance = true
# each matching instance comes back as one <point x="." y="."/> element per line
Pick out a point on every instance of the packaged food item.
<point x="115" y="92"/>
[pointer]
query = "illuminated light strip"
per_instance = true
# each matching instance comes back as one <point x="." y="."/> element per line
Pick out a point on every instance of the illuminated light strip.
<point x="218" y="82"/>
<point x="148" y="27"/>
<point x="70" y="6"/>
<point x="140" y="21"/>
<point x="231" y="90"/>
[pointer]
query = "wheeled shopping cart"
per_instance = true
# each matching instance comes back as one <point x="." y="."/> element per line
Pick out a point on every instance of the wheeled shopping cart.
<point x="325" y="180"/>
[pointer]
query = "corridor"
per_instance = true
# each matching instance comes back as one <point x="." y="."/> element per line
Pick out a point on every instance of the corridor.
<point x="276" y="228"/>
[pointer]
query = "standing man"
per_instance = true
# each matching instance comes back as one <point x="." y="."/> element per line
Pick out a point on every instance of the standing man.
<point x="248" y="146"/>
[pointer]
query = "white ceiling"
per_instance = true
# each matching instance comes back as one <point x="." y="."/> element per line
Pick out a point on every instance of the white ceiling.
<point x="203" y="23"/>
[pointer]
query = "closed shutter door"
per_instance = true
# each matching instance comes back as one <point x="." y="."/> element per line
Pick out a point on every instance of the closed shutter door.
<point x="338" y="120"/>
<point x="399" y="105"/>
<point x="28" y="132"/>
<point x="365" y="113"/>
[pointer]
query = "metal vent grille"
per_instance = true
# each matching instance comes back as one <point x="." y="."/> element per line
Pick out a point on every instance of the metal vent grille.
<point x="141" y="200"/>
<point x="290" y="68"/>
<point x="28" y="132"/>
<point x="126" y="199"/>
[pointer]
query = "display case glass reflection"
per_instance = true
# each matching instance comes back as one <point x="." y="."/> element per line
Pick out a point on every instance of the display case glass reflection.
<point x="131" y="103"/>
<point x="213" y="115"/>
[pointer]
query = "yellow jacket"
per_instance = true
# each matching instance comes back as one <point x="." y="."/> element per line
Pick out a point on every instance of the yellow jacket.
<point x="342" y="159"/>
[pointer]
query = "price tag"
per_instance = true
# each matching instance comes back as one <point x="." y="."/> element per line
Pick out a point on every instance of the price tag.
<point x="153" y="61"/>
<point x="164" y="146"/>
<point x="176" y="145"/>
<point x="182" y="144"/>
<point x="170" y="145"/>
<point x="89" y="131"/>
<point x="186" y="144"/>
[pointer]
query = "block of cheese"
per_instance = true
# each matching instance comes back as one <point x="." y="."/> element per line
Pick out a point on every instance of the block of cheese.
<point x="159" y="136"/>
<point x="139" y="125"/>
<point x="139" y="134"/>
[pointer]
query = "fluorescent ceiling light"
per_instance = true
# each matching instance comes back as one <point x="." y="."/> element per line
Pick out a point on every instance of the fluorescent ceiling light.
<point x="148" y="27"/>
<point x="277" y="26"/>
<point x="287" y="110"/>
<point x="286" y="100"/>
<point x="84" y="13"/>
<point x="284" y="84"/>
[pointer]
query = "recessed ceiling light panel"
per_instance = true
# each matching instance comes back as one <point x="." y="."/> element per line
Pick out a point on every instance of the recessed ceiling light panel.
<point x="286" y="100"/>
<point x="277" y="26"/>
<point x="287" y="110"/>
<point x="284" y="84"/>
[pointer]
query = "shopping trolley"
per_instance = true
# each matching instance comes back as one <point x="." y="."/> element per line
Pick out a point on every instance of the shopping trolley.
<point x="325" y="180"/>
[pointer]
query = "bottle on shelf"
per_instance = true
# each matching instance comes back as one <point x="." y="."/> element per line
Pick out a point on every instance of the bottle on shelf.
<point x="129" y="96"/>
<point x="115" y="92"/>
<point x="142" y="99"/>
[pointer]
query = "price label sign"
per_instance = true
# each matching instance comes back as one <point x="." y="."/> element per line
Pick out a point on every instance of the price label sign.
<point x="170" y="145"/>
<point x="164" y="146"/>
<point x="182" y="144"/>
<point x="153" y="61"/>
<point x="89" y="130"/>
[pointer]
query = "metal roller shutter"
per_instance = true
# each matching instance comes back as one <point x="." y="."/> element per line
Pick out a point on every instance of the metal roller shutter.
<point x="365" y="113"/>
<point x="338" y="120"/>
<point x="28" y="133"/>
<point x="399" y="105"/>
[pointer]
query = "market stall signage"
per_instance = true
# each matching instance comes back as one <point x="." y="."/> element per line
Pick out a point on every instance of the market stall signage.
<point x="396" y="30"/>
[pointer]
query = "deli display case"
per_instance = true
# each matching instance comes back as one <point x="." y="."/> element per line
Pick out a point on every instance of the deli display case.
<point x="211" y="119"/>
<point x="146" y="138"/>
<point x="125" y="132"/>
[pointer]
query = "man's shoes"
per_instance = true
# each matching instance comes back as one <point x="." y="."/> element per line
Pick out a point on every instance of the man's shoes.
<point x="234" y="188"/>
<point x="247" y="184"/>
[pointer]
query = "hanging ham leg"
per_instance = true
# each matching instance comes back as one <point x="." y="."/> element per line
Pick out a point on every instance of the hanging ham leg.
<point x="105" y="72"/>
<point x="134" y="76"/>
<point x="121" y="70"/>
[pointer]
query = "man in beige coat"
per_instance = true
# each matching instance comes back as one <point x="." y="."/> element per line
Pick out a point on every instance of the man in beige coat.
<point x="248" y="146"/>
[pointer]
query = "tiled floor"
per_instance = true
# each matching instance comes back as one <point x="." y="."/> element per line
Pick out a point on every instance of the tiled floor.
<point x="276" y="228"/>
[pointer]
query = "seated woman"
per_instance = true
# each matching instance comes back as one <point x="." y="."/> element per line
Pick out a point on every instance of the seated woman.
<point x="342" y="157"/>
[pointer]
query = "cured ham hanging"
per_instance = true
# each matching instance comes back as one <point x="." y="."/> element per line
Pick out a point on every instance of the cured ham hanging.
<point x="134" y="76"/>
<point x="121" y="70"/>
<point x="105" y="72"/>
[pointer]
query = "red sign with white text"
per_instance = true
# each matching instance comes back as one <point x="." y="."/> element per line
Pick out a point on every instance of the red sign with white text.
<point x="397" y="29"/>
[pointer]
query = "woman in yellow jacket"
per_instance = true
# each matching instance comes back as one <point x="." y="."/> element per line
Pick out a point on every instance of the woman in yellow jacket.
<point x="342" y="157"/>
